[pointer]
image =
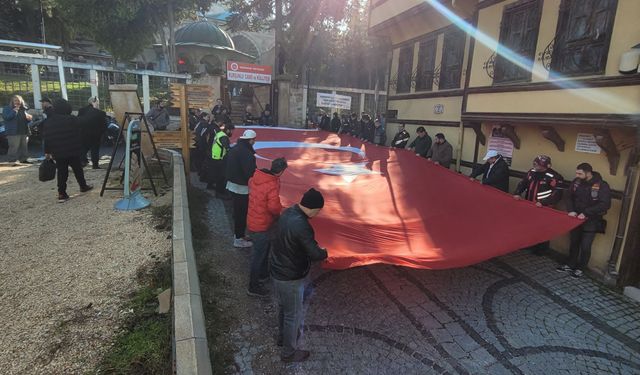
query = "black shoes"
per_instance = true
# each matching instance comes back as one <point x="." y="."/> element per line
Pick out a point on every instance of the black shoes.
<point x="63" y="197"/>
<point x="564" y="268"/>
<point x="86" y="188"/>
<point x="260" y="291"/>
<point x="576" y="274"/>
<point x="297" y="356"/>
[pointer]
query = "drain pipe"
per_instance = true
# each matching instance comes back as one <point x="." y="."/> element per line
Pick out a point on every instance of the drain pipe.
<point x="632" y="173"/>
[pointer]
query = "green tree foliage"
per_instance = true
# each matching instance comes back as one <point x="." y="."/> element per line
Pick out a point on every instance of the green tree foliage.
<point x="326" y="39"/>
<point x="22" y="20"/>
<point x="122" y="27"/>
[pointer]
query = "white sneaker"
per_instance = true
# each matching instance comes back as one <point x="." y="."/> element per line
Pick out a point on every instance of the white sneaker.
<point x="239" y="242"/>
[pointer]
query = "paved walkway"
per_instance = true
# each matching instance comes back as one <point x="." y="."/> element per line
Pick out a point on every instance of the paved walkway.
<point x="512" y="315"/>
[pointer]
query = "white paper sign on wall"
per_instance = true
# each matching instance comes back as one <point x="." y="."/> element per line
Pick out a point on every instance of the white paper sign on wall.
<point x="586" y="142"/>
<point x="333" y="101"/>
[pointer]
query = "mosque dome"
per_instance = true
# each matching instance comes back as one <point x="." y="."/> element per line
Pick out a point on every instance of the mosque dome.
<point x="204" y="34"/>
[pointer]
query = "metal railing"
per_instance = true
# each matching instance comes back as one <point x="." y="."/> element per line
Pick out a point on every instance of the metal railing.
<point x="34" y="77"/>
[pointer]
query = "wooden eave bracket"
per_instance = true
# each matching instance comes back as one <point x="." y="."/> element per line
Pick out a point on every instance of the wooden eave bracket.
<point x="552" y="135"/>
<point x="477" y="128"/>
<point x="510" y="132"/>
<point x="606" y="143"/>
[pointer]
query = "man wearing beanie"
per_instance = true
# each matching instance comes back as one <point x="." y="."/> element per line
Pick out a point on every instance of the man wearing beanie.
<point x="294" y="250"/>
<point x="264" y="209"/>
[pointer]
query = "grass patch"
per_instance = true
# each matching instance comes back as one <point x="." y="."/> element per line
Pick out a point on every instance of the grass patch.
<point x="144" y="344"/>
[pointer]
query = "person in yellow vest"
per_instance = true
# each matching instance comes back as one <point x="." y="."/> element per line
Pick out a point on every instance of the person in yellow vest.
<point x="219" y="149"/>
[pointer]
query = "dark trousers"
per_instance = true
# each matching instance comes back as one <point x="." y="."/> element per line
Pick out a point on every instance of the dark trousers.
<point x="290" y="296"/>
<point x="215" y="175"/>
<point x="240" y="209"/>
<point x="62" y="165"/>
<point x="220" y="171"/>
<point x="94" y="148"/>
<point x="580" y="247"/>
<point x="259" y="259"/>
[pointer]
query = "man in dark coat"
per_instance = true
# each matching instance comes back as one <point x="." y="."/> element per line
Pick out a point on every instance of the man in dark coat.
<point x="495" y="172"/>
<point x="441" y="151"/>
<point x="249" y="119"/>
<point x="63" y="142"/>
<point x="95" y="124"/>
<point x="266" y="118"/>
<point x="422" y="144"/>
<point x="368" y="128"/>
<point x="216" y="111"/>
<point x="158" y="116"/>
<point x="241" y="164"/>
<point x="294" y="249"/>
<point x="203" y="132"/>
<point x="336" y="124"/>
<point x="589" y="200"/>
<point x="325" y="122"/>
<point x="542" y="186"/>
<point x="355" y="125"/>
<point x="401" y="138"/>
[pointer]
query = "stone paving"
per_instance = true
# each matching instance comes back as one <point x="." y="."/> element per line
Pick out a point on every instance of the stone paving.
<point x="511" y="315"/>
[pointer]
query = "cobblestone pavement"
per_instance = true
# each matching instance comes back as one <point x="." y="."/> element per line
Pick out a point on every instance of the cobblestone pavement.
<point x="511" y="315"/>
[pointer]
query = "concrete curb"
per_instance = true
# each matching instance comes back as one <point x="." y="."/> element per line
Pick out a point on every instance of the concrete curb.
<point x="191" y="351"/>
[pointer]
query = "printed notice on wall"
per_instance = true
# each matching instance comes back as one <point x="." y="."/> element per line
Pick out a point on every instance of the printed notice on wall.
<point x="587" y="143"/>
<point x="501" y="144"/>
<point x="333" y="101"/>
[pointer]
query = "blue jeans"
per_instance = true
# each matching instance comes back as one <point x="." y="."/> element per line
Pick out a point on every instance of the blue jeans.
<point x="290" y="312"/>
<point x="259" y="259"/>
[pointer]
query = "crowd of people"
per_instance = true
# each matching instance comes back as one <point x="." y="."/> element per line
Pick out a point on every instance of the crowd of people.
<point x="589" y="200"/>
<point x="66" y="138"/>
<point x="364" y="127"/>
<point x="282" y="241"/>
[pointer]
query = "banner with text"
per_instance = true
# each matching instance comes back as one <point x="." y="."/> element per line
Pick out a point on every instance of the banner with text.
<point x="244" y="72"/>
<point x="333" y="101"/>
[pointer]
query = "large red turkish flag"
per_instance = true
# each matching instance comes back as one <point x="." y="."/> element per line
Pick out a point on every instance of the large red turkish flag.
<point x="384" y="205"/>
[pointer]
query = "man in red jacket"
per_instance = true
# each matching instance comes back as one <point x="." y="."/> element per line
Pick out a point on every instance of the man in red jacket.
<point x="264" y="210"/>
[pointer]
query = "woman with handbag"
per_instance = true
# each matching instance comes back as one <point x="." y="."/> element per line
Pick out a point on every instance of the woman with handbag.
<point x="16" y="121"/>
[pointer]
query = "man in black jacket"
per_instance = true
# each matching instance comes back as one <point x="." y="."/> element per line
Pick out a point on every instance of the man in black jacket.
<point x="63" y="141"/>
<point x="241" y="164"/>
<point x="495" y="172"/>
<point x="542" y="186"/>
<point x="401" y="138"/>
<point x="95" y="124"/>
<point x="294" y="249"/>
<point x="336" y="124"/>
<point x="422" y="144"/>
<point x="589" y="200"/>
